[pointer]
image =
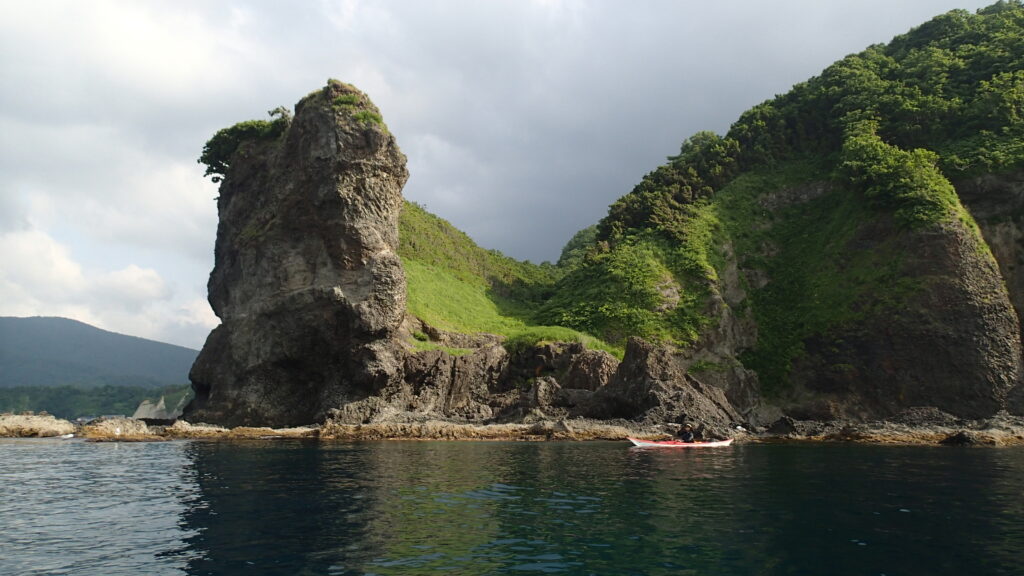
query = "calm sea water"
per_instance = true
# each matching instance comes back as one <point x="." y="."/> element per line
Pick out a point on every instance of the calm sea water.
<point x="296" y="507"/>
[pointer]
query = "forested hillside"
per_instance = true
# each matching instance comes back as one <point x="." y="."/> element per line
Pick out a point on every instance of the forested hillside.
<point x="57" y="351"/>
<point x="72" y="369"/>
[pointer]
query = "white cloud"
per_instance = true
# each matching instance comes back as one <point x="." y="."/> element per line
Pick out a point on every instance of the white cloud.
<point x="96" y="180"/>
<point x="40" y="265"/>
<point x="135" y="52"/>
<point x="41" y="278"/>
<point x="131" y="288"/>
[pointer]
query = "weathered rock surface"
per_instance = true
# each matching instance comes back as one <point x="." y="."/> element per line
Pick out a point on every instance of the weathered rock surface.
<point x="949" y="339"/>
<point x="158" y="410"/>
<point x="652" y="386"/>
<point x="996" y="202"/>
<point x="33" y="426"/>
<point x="590" y="370"/>
<point x="306" y="280"/>
<point x="941" y="332"/>
<point x="713" y="359"/>
<point x="550" y="382"/>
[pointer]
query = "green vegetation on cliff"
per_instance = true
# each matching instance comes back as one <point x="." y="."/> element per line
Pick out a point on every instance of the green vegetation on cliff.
<point x="799" y="208"/>
<point x="887" y="127"/>
<point x="457" y="286"/>
<point x="219" y="149"/>
<point x="948" y="92"/>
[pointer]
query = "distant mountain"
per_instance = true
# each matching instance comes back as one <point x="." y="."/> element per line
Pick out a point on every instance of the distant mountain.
<point x="42" y="351"/>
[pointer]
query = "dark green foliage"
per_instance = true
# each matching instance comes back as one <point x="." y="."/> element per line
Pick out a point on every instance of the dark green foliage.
<point x="817" y="282"/>
<point x="614" y="294"/>
<point x="907" y="183"/>
<point x="956" y="77"/>
<point x="642" y="286"/>
<point x="218" y="150"/>
<point x="897" y="121"/>
<point x="705" y="161"/>
<point x="71" y="402"/>
<point x="577" y="248"/>
<point x="345" y="101"/>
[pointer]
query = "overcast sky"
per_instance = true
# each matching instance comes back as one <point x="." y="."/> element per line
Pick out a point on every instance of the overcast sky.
<point x="522" y="119"/>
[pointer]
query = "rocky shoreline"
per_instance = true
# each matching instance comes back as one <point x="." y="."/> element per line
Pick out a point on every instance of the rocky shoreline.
<point x="917" y="426"/>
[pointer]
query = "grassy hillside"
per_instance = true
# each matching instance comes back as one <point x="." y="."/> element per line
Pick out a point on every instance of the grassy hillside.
<point x="455" y="285"/>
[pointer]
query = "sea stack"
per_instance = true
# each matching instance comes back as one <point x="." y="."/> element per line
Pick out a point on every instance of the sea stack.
<point x="307" y="281"/>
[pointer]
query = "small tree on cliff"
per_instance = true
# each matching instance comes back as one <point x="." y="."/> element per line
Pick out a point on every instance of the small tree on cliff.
<point x="217" y="151"/>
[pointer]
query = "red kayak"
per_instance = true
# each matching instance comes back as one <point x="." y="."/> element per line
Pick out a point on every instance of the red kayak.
<point x="678" y="444"/>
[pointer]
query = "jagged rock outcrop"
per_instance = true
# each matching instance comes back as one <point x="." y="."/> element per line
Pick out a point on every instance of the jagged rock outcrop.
<point x="713" y="359"/>
<point x="947" y="336"/>
<point x="306" y="280"/>
<point x="939" y="331"/>
<point x="312" y="298"/>
<point x="468" y="386"/>
<point x="149" y="410"/>
<point x="590" y="370"/>
<point x="651" y="385"/>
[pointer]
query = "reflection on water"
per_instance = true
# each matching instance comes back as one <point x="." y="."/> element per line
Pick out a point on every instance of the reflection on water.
<point x="299" y="507"/>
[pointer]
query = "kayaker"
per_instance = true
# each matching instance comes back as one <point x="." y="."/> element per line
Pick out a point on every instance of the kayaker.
<point x="686" y="433"/>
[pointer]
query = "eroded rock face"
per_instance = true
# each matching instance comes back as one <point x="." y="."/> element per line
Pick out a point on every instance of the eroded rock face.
<point x="713" y="359"/>
<point x="953" y="342"/>
<point x="312" y="298"/>
<point x="306" y="279"/>
<point x="468" y="386"/>
<point x="590" y="370"/>
<point x="997" y="203"/>
<point x="651" y="385"/>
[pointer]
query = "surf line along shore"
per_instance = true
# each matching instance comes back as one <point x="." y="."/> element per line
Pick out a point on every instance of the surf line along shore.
<point x="929" y="429"/>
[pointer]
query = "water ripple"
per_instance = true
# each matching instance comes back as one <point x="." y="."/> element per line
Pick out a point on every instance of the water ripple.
<point x="390" y="508"/>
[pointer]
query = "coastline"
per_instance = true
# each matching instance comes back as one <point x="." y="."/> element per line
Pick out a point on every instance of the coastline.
<point x="925" y="427"/>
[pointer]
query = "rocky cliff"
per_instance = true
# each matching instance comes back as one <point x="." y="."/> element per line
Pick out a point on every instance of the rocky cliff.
<point x="997" y="203"/>
<point x="306" y="280"/>
<point x="940" y="332"/>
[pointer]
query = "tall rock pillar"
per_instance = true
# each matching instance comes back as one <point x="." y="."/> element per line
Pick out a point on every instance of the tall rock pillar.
<point x="306" y="280"/>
